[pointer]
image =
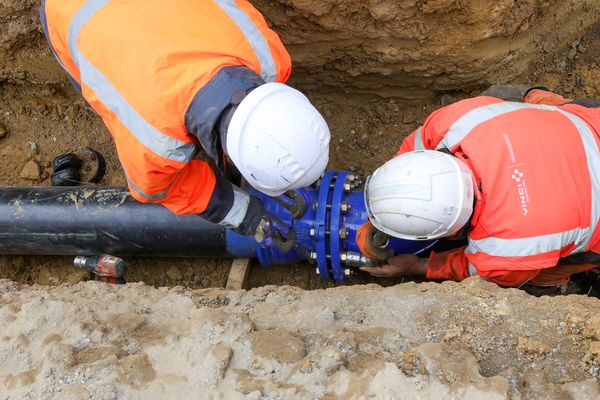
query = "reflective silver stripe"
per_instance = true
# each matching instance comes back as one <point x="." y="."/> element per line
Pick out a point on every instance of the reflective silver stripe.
<point x="465" y="124"/>
<point x="592" y="155"/>
<point x="472" y="270"/>
<point x="147" y="196"/>
<point x="522" y="247"/>
<point x="159" y="143"/>
<point x="268" y="70"/>
<point x="78" y="21"/>
<point x="419" y="139"/>
<point x="236" y="215"/>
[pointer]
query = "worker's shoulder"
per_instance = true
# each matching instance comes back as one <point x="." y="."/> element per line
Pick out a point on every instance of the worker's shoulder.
<point x="443" y="118"/>
<point x="471" y="103"/>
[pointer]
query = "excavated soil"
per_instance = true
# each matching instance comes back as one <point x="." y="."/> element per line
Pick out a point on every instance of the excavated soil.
<point x="375" y="69"/>
<point x="429" y="341"/>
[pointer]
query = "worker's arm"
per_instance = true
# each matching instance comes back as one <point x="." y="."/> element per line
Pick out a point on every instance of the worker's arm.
<point x="542" y="95"/>
<point x="455" y="265"/>
<point x="191" y="188"/>
<point x="436" y="126"/>
<point x="448" y="265"/>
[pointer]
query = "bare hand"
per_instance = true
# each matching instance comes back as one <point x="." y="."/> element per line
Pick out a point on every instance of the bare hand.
<point x="400" y="265"/>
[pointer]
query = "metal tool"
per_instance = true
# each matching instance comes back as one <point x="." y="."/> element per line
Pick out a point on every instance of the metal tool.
<point x="105" y="265"/>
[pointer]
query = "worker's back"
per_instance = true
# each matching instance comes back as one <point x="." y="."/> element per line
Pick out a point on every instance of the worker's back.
<point x="537" y="168"/>
<point x="156" y="53"/>
<point x="143" y="64"/>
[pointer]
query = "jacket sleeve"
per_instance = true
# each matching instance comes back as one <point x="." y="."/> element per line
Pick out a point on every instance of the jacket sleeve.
<point x="185" y="189"/>
<point x="541" y="95"/>
<point x="454" y="265"/>
<point x="448" y="265"/>
<point x="436" y="126"/>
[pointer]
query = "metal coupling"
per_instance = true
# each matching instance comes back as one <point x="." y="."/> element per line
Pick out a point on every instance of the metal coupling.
<point x="357" y="260"/>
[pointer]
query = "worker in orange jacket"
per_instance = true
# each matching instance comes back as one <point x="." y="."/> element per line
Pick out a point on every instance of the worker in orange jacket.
<point x="516" y="183"/>
<point x="169" y="78"/>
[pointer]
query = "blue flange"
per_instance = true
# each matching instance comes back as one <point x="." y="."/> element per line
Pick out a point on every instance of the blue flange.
<point x="318" y="230"/>
<point x="322" y="222"/>
<point x="335" y="226"/>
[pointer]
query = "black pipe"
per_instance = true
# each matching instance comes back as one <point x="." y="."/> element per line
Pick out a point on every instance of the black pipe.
<point x="94" y="220"/>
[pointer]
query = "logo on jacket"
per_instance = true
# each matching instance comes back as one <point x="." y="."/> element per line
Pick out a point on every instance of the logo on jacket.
<point x="519" y="178"/>
<point x="517" y="175"/>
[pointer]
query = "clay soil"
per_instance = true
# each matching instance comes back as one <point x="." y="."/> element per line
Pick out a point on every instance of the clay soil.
<point x="375" y="69"/>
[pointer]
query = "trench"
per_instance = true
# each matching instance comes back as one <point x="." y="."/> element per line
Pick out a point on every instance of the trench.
<point x="374" y="69"/>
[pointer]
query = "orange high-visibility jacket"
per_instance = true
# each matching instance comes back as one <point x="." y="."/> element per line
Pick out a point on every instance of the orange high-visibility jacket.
<point x="538" y="170"/>
<point x="159" y="73"/>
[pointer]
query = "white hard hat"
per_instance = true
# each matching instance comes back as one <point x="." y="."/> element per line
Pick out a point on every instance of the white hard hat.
<point x="420" y="195"/>
<point x="278" y="140"/>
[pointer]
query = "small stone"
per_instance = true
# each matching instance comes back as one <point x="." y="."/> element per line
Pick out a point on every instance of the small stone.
<point x="306" y="366"/>
<point x="174" y="273"/>
<point x="33" y="146"/>
<point x="3" y="131"/>
<point x="548" y="46"/>
<point x="595" y="348"/>
<point x="531" y="346"/>
<point x="363" y="141"/>
<point x="408" y="117"/>
<point x="447" y="99"/>
<point x="383" y="10"/>
<point x="31" y="170"/>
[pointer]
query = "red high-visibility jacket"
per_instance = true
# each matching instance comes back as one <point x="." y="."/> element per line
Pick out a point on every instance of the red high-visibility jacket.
<point x="538" y="171"/>
<point x="159" y="73"/>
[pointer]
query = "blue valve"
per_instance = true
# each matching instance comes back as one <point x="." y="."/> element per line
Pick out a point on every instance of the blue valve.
<point x="324" y="220"/>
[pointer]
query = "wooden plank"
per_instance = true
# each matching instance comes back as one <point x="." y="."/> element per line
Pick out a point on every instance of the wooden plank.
<point x="240" y="267"/>
<point x="238" y="275"/>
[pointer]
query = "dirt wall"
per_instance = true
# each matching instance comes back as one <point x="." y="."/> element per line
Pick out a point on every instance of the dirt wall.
<point x="410" y="49"/>
<point x="416" y="48"/>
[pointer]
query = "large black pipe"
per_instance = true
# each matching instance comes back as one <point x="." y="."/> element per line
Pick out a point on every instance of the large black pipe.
<point x="94" y="220"/>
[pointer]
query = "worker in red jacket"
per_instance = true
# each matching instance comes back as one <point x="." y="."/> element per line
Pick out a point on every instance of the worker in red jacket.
<point x="171" y="78"/>
<point x="519" y="181"/>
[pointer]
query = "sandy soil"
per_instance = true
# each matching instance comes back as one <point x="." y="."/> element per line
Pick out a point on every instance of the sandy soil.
<point x="430" y="341"/>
